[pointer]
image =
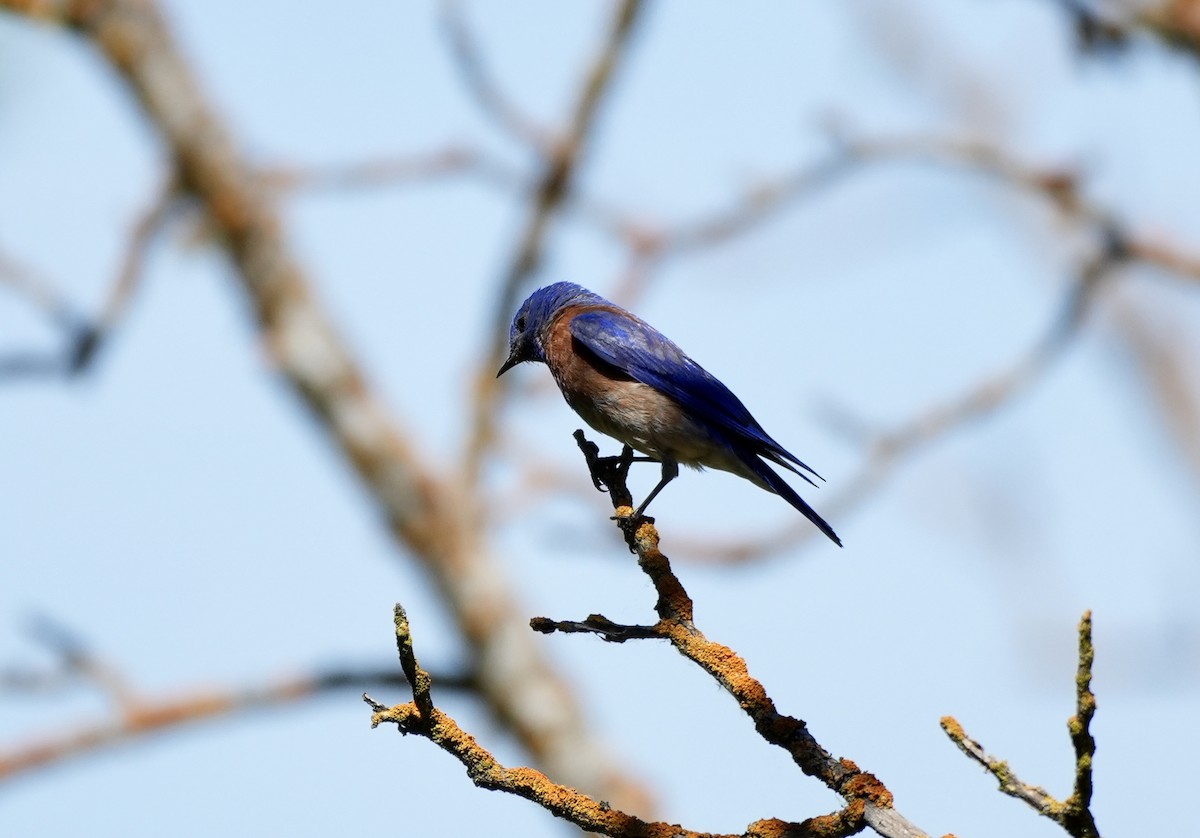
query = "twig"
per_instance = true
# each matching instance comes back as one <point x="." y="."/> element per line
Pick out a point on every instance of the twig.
<point x="43" y="294"/>
<point x="1163" y="351"/>
<point x="481" y="83"/>
<point x="397" y="169"/>
<point x="85" y="336"/>
<point x="553" y="188"/>
<point x="139" y="716"/>
<point x="39" y="290"/>
<point x="1074" y="814"/>
<point x="145" y="231"/>
<point x="420" y="717"/>
<point x="1176" y="23"/>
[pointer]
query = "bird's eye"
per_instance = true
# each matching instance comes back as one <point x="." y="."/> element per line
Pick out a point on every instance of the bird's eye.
<point x="521" y="323"/>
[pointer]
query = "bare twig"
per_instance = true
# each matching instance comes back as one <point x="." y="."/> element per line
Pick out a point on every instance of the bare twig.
<point x="39" y="290"/>
<point x="43" y="294"/>
<point x="85" y="336"/>
<point x="553" y="188"/>
<point x="482" y="85"/>
<point x="1175" y="23"/>
<point x="1164" y="353"/>
<point x="130" y="273"/>
<point x="397" y="169"/>
<point x="140" y="717"/>
<point x="1074" y="814"/>
<point x="1035" y="796"/>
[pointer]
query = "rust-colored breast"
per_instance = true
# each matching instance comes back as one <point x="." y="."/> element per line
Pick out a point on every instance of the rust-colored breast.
<point x="613" y="403"/>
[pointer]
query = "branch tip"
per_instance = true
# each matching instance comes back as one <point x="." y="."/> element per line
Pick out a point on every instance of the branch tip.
<point x="417" y="677"/>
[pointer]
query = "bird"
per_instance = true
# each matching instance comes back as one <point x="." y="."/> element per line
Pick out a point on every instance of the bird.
<point x="629" y="381"/>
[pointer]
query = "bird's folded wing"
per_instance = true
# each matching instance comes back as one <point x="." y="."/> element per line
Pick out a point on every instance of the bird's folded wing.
<point x="648" y="356"/>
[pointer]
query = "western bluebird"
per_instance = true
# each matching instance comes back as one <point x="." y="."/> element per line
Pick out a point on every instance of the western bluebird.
<point x="629" y="381"/>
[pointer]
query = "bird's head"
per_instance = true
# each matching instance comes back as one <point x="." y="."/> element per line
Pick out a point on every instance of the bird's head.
<point x="535" y="315"/>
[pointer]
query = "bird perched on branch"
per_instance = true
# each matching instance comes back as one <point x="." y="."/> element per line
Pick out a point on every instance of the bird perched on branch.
<point x="629" y="381"/>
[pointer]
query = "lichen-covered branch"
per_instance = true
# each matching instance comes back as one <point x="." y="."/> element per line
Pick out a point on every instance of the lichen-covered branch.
<point x="676" y="625"/>
<point x="1073" y="814"/>
<point x="422" y="718"/>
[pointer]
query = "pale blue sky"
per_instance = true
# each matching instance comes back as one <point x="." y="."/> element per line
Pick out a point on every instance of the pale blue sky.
<point x="178" y="509"/>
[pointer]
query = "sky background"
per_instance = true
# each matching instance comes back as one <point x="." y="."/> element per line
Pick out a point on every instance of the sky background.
<point x="179" y="511"/>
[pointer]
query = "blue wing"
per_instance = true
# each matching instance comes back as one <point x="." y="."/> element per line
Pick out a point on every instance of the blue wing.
<point x="646" y="355"/>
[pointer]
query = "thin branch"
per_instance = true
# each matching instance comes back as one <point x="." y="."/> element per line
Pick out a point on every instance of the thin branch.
<point x="140" y="717"/>
<point x="1176" y="22"/>
<point x="1074" y="814"/>
<point x="553" y="189"/>
<point x="482" y="85"/>
<point x="39" y="290"/>
<point x="1078" y="815"/>
<point x="151" y="223"/>
<point x="1106" y="32"/>
<point x="85" y="336"/>
<point x="420" y="717"/>
<point x="1164" y="352"/>
<point x="393" y="170"/>
<point x="1035" y="796"/>
<point x="42" y="293"/>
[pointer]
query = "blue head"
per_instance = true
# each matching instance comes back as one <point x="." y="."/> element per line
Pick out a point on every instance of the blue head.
<point x="535" y="314"/>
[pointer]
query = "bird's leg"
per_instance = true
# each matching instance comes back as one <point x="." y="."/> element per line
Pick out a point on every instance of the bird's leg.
<point x="670" y="470"/>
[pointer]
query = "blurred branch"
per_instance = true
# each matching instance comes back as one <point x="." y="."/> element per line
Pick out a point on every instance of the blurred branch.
<point x="42" y="293"/>
<point x="420" y="717"/>
<point x="1105" y="31"/>
<point x="1164" y="353"/>
<point x="1115" y="246"/>
<point x="1177" y="22"/>
<point x="427" y="517"/>
<point x="650" y="244"/>
<point x="553" y="188"/>
<point x="1074" y="814"/>
<point x="84" y="336"/>
<point x="39" y="290"/>
<point x="888" y="450"/>
<point x="138" y="716"/>
<point x="452" y="161"/>
<point x="482" y="85"/>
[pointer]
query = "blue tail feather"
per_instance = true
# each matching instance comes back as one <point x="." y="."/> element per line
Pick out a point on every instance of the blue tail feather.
<point x="780" y="487"/>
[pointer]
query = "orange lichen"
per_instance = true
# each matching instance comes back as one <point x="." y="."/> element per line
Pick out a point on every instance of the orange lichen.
<point x="865" y="786"/>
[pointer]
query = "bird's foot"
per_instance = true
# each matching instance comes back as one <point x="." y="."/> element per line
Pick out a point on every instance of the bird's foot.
<point x="608" y="474"/>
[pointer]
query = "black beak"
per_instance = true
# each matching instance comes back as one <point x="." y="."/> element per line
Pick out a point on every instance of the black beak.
<point x="512" y="361"/>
